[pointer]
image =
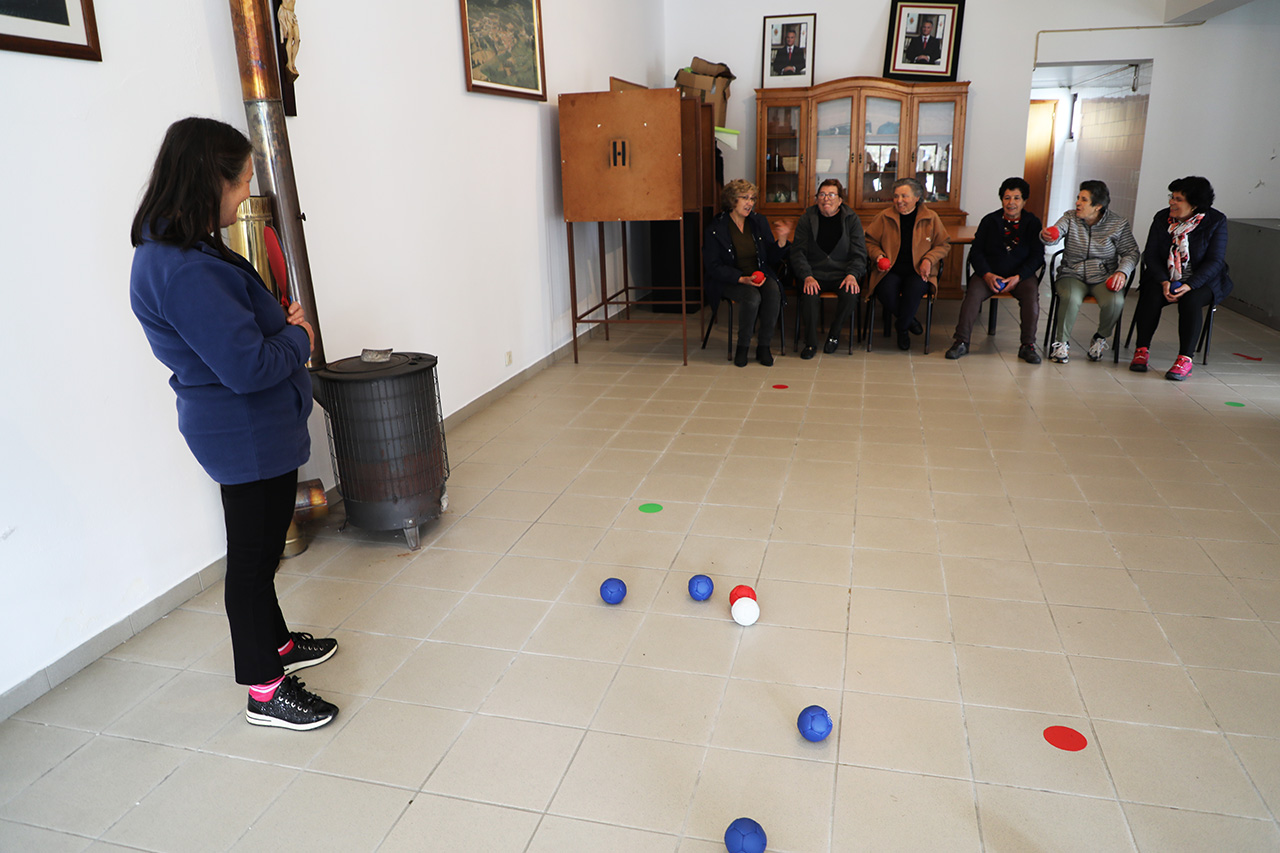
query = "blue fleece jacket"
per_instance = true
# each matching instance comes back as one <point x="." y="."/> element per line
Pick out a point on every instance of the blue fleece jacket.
<point x="239" y="371"/>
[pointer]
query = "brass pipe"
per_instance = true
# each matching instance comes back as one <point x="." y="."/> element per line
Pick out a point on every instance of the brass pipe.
<point x="272" y="158"/>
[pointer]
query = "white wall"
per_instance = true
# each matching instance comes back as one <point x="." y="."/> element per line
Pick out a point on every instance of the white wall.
<point x="433" y="224"/>
<point x="1204" y="118"/>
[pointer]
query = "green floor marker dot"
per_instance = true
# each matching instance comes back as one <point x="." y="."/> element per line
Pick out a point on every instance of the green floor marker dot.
<point x="651" y="507"/>
<point x="1237" y="405"/>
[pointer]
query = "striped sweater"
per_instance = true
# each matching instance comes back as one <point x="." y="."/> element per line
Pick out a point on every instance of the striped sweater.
<point x="1094" y="252"/>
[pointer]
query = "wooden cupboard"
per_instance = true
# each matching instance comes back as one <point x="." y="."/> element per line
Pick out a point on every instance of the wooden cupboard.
<point x="866" y="132"/>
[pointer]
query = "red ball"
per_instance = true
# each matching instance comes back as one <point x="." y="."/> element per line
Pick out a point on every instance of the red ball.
<point x="739" y="591"/>
<point x="1054" y="233"/>
<point x="883" y="264"/>
<point x="757" y="277"/>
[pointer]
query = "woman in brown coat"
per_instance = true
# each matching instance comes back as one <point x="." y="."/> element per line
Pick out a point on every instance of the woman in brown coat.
<point x="905" y="244"/>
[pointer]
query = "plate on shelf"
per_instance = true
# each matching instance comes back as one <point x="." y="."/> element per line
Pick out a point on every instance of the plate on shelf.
<point x="824" y="164"/>
<point x="789" y="164"/>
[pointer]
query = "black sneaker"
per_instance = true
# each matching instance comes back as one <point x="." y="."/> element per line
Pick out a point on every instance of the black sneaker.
<point x="1027" y="352"/>
<point x="307" y="651"/>
<point x="291" y="708"/>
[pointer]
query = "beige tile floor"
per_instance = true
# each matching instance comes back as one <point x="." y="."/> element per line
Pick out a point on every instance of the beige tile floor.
<point x="949" y="556"/>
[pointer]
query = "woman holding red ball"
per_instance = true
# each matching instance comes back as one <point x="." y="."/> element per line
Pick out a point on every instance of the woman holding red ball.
<point x="739" y="255"/>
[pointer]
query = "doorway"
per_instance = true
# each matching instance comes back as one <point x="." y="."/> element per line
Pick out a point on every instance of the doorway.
<point x="1098" y="131"/>
<point x="1038" y="168"/>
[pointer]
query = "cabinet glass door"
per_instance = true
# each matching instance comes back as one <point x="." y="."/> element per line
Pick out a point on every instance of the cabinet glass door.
<point x="882" y="124"/>
<point x="834" y="144"/>
<point x="935" y="137"/>
<point x="782" y="159"/>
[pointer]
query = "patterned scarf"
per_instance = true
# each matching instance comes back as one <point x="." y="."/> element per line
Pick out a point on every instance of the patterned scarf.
<point x="1012" y="233"/>
<point x="1179" y="251"/>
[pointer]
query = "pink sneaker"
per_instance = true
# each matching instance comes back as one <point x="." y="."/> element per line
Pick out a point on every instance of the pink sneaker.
<point x="1181" y="369"/>
<point x="1139" y="363"/>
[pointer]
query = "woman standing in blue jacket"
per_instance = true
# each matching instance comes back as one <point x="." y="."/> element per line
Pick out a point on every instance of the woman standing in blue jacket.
<point x="244" y="394"/>
<point x="1184" y="264"/>
<point x="738" y="245"/>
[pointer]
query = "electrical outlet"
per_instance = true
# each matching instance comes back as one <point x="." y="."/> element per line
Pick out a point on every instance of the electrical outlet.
<point x="508" y="358"/>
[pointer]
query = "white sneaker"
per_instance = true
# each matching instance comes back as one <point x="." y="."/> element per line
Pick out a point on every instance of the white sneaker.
<point x="1060" y="352"/>
<point x="1097" y="347"/>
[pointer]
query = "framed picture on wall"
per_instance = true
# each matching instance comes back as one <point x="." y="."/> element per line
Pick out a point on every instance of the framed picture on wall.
<point x="788" y="51"/>
<point x="52" y="27"/>
<point x="924" y="40"/>
<point x="502" y="48"/>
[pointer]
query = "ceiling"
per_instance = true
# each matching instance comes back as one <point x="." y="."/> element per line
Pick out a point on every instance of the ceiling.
<point x="1091" y="76"/>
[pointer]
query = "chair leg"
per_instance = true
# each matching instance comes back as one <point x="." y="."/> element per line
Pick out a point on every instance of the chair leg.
<point x="782" y="331"/>
<point x="1115" y="347"/>
<point x="928" y="322"/>
<point x="710" y="324"/>
<point x="1206" y="334"/>
<point x="1053" y="310"/>
<point x="729" y="330"/>
<point x="991" y="316"/>
<point x="855" y="313"/>
<point x="871" y="321"/>
<point x="1133" y="321"/>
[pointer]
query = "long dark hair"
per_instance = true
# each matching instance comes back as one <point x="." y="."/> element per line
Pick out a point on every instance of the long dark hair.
<point x="183" y="200"/>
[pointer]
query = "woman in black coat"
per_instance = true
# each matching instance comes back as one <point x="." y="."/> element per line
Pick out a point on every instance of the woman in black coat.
<point x="740" y="255"/>
<point x="1184" y="264"/>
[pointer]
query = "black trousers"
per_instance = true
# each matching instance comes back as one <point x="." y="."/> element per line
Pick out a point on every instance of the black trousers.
<point x="756" y="304"/>
<point x="900" y="295"/>
<point x="257" y="516"/>
<point x="811" y="310"/>
<point x="1191" y="307"/>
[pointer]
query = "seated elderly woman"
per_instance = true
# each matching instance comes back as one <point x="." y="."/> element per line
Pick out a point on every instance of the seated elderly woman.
<point x="1100" y="254"/>
<point x="906" y="243"/>
<point x="1184" y="264"/>
<point x="739" y="255"/>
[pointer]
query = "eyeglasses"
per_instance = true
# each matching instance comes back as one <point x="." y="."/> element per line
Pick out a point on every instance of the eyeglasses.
<point x="828" y="195"/>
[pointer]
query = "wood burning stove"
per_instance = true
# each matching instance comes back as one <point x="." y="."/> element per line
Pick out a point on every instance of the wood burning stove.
<point x="386" y="438"/>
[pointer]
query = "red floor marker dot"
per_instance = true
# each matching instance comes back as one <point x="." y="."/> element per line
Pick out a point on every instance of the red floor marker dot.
<point x="1250" y="357"/>
<point x="780" y="387"/>
<point x="1066" y="738"/>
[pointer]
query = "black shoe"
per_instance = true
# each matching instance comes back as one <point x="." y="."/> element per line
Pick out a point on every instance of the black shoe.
<point x="1027" y="352"/>
<point x="741" y="356"/>
<point x="958" y="350"/>
<point x="915" y="328"/>
<point x="904" y="339"/>
<point x="765" y="356"/>
<point x="808" y="352"/>
<point x="830" y="346"/>
<point x="307" y="651"/>
<point x="291" y="708"/>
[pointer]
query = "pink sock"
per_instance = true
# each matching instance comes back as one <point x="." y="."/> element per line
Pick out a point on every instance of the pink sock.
<point x="266" y="691"/>
<point x="286" y="648"/>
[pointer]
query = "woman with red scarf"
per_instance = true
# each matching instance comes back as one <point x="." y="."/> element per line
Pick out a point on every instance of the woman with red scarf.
<point x="1184" y="264"/>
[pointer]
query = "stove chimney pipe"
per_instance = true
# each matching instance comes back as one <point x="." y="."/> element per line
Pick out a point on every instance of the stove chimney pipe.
<point x="272" y="160"/>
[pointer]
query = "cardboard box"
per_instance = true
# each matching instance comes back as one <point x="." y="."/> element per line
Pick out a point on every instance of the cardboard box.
<point x="708" y="82"/>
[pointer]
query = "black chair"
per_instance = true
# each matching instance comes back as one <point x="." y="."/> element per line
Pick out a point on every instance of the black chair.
<point x="715" y="311"/>
<point x="991" y="300"/>
<point x="930" y="296"/>
<point x="1054" y="263"/>
<point x="1206" y="330"/>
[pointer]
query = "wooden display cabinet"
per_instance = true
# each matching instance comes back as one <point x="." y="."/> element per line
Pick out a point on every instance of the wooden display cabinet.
<point x="866" y="132"/>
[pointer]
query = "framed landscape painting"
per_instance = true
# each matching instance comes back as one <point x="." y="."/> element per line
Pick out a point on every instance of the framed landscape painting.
<point x="502" y="48"/>
<point x="52" y="27"/>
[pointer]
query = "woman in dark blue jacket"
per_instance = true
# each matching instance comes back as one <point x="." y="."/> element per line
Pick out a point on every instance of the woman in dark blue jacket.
<point x="1184" y="264"/>
<point x="739" y="256"/>
<point x="244" y="394"/>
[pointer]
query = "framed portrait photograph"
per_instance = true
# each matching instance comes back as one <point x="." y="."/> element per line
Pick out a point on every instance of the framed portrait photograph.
<point x="924" y="40"/>
<point x="788" y="51"/>
<point x="51" y="27"/>
<point x="502" y="48"/>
